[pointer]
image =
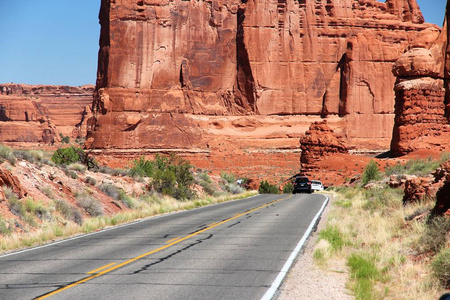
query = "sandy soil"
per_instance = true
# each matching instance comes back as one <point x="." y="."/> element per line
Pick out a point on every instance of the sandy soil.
<point x="307" y="280"/>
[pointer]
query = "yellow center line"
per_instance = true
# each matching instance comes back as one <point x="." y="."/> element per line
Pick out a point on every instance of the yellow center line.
<point x="101" y="268"/>
<point x="172" y="240"/>
<point x="211" y="224"/>
<point x="156" y="250"/>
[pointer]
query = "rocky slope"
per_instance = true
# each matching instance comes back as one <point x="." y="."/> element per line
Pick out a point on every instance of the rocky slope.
<point x="221" y="81"/>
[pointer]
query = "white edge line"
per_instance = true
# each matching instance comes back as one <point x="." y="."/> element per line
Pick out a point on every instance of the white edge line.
<point x="112" y="228"/>
<point x="277" y="282"/>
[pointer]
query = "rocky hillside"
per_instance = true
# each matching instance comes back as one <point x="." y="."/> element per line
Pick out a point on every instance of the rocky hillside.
<point x="42" y="198"/>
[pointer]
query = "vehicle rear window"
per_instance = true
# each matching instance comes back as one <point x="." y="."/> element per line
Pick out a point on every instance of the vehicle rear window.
<point x="301" y="179"/>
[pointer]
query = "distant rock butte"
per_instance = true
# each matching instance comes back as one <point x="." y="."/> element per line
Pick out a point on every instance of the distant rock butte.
<point x="422" y="99"/>
<point x="38" y="113"/>
<point x="248" y="76"/>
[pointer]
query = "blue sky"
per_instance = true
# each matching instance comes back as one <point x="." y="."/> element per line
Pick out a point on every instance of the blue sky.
<point x="56" y="41"/>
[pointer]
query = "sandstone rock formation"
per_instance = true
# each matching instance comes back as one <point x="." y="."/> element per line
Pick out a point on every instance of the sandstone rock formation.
<point x="318" y="143"/>
<point x="420" y="121"/>
<point x="11" y="181"/>
<point x="38" y="113"/>
<point x="422" y="105"/>
<point x="175" y="75"/>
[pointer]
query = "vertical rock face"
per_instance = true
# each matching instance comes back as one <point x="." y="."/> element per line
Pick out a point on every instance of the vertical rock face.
<point x="421" y="99"/>
<point x="162" y="64"/>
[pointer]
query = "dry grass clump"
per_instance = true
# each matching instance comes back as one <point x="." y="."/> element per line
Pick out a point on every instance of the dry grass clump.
<point x="374" y="233"/>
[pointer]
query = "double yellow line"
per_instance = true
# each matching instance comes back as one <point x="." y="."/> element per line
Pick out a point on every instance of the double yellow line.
<point x="97" y="272"/>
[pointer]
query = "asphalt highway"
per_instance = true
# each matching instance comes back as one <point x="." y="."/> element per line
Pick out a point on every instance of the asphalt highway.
<point x="233" y="250"/>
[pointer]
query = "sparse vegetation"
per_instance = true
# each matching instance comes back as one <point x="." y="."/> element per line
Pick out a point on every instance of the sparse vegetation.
<point x="384" y="243"/>
<point x="91" y="205"/>
<point x="7" y="154"/>
<point x="288" y="188"/>
<point x="441" y="267"/>
<point x="371" y="172"/>
<point x="267" y="188"/>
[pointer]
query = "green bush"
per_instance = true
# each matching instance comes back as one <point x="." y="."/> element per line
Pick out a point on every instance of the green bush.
<point x="288" y="188"/>
<point x="143" y="168"/>
<point x="371" y="172"/>
<point x="267" y="188"/>
<point x="71" y="155"/>
<point x="440" y="267"/>
<point x="379" y="198"/>
<point x="7" y="154"/>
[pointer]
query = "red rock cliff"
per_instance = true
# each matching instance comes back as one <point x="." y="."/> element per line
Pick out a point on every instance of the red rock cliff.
<point x="38" y="113"/>
<point x="177" y="74"/>
<point x="421" y="103"/>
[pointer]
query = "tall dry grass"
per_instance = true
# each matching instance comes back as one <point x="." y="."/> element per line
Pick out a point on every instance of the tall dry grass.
<point x="377" y="239"/>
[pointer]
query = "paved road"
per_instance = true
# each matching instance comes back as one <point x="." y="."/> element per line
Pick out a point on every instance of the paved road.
<point x="233" y="250"/>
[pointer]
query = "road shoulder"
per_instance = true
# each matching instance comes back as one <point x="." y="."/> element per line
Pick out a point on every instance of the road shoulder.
<point x="306" y="280"/>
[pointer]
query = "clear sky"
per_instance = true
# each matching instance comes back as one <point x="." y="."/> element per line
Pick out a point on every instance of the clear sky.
<point x="56" y="41"/>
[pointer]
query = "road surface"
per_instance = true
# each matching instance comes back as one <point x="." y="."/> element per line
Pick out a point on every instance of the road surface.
<point x="233" y="250"/>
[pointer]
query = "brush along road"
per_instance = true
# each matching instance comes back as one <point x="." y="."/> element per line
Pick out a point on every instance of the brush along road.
<point x="233" y="250"/>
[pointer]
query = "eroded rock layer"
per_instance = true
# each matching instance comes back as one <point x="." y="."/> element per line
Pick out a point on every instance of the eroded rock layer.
<point x="38" y="113"/>
<point x="167" y="69"/>
<point x="421" y="105"/>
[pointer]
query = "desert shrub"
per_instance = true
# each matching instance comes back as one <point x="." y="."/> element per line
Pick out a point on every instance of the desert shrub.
<point x="418" y="167"/>
<point x="142" y="168"/>
<point x="371" y="172"/>
<point x="33" y="156"/>
<point x="7" y="154"/>
<point x="9" y="193"/>
<point x="288" y="188"/>
<point x="16" y="207"/>
<point x="70" y="155"/>
<point x="127" y="200"/>
<point x="77" y="167"/>
<point x="71" y="173"/>
<point x="64" y="139"/>
<point x="233" y="188"/>
<point x="206" y="183"/>
<point x="267" y="188"/>
<point x="47" y="191"/>
<point x="90" y="180"/>
<point x="37" y="208"/>
<point x="228" y="177"/>
<point x="69" y="212"/>
<point x="173" y="176"/>
<point x="435" y="235"/>
<point x="110" y="190"/>
<point x="5" y="228"/>
<point x="91" y="205"/>
<point x="440" y="267"/>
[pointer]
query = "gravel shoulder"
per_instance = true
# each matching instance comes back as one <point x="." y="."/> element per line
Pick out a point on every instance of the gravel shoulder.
<point x="307" y="280"/>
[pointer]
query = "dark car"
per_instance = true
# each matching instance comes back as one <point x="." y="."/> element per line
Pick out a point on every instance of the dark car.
<point x="302" y="185"/>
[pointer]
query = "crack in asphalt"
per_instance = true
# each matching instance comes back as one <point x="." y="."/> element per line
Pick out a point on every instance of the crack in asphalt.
<point x="160" y="260"/>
